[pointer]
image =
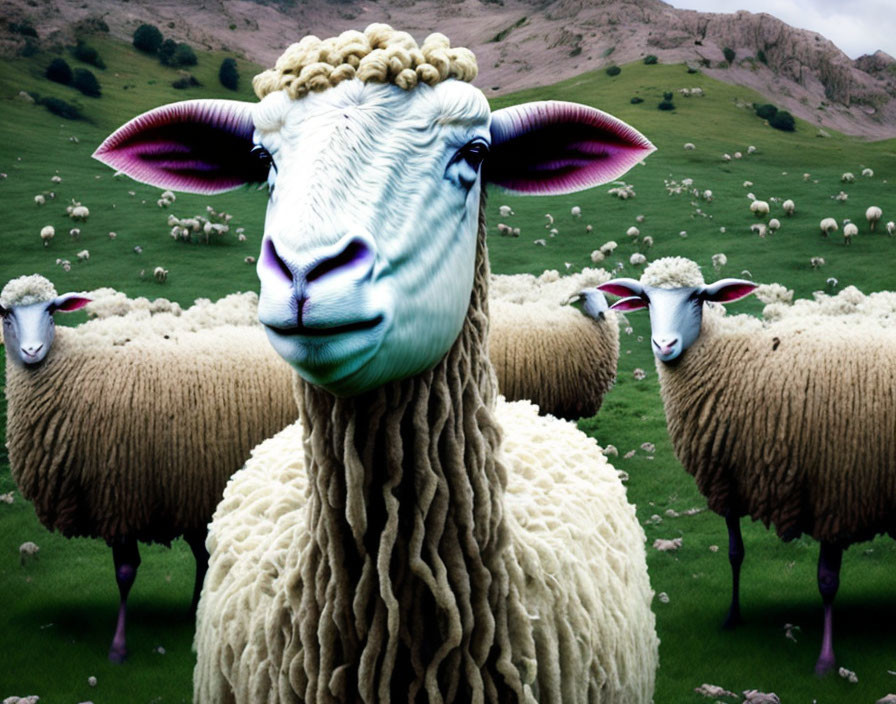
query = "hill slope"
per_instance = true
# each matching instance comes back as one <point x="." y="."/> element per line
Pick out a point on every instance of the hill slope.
<point x="520" y="44"/>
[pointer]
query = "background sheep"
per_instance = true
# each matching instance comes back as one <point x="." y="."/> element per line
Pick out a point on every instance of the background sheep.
<point x="546" y="351"/>
<point x="759" y="208"/>
<point x="427" y="561"/>
<point x="775" y="436"/>
<point x="828" y="225"/>
<point x="873" y="215"/>
<point x="850" y="230"/>
<point x="94" y="466"/>
<point x="47" y="233"/>
<point x="788" y="207"/>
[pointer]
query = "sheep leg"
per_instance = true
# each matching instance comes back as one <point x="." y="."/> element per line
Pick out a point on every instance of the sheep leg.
<point x="127" y="560"/>
<point x="196" y="541"/>
<point x="829" y="558"/>
<point x="736" y="558"/>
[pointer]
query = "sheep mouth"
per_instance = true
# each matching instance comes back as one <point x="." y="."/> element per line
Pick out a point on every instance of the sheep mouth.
<point x="327" y="331"/>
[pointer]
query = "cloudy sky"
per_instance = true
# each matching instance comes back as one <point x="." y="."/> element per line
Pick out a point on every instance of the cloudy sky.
<point x="856" y="26"/>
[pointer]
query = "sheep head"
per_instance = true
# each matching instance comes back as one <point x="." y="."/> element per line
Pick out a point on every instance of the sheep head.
<point x="676" y="311"/>
<point x="367" y="260"/>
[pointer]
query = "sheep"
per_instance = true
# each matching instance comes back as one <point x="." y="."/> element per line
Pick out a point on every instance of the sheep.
<point x="637" y="259"/>
<point x="828" y="225"/>
<point x="94" y="467"/>
<point x="848" y="177"/>
<point x="83" y="255"/>
<point x="576" y="211"/>
<point x="891" y="228"/>
<point x="47" y="233"/>
<point x="841" y="197"/>
<point x="867" y="172"/>
<point x="160" y="274"/>
<point x="427" y="553"/>
<point x="873" y="215"/>
<point x="719" y="260"/>
<point x="751" y="149"/>
<point x="78" y="212"/>
<point x="774" y="224"/>
<point x="768" y="437"/>
<point x="816" y="262"/>
<point x="850" y="230"/>
<point x="788" y="207"/>
<point x="633" y="231"/>
<point x="689" y="146"/>
<point x="505" y="211"/>
<point x="546" y="351"/>
<point x="759" y="208"/>
<point x="39" y="199"/>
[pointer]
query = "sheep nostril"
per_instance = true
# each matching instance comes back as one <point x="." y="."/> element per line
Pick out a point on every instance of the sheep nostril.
<point x="355" y="253"/>
<point x="270" y="260"/>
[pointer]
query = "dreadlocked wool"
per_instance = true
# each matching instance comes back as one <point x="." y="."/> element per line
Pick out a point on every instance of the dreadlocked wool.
<point x="130" y="430"/>
<point x="417" y="552"/>
<point x="789" y="420"/>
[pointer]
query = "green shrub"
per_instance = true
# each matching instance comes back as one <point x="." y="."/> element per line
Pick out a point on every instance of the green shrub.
<point x="188" y="81"/>
<point x="613" y="70"/>
<point x="23" y="28"/>
<point x="729" y="54"/>
<point x="761" y="56"/>
<point x="636" y="100"/>
<point x="666" y="105"/>
<point x="668" y="95"/>
<point x="148" y="38"/>
<point x="57" y="106"/>
<point x="228" y="75"/>
<point x="59" y="71"/>
<point x="783" y="120"/>
<point x="184" y="55"/>
<point x="650" y="59"/>
<point x="87" y="54"/>
<point x="766" y="112"/>
<point x="86" y="82"/>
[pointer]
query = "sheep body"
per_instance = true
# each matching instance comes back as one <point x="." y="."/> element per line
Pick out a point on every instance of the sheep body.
<point x="788" y="207"/>
<point x="571" y="629"/>
<point x="873" y="215"/>
<point x="759" y="208"/>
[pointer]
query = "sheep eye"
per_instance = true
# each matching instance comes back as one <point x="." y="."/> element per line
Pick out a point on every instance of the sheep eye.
<point x="262" y="156"/>
<point x="474" y="154"/>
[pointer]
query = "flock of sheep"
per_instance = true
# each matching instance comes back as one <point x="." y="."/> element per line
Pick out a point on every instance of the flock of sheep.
<point x="420" y="537"/>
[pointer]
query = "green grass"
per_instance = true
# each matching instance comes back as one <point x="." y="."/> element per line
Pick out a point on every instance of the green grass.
<point x="60" y="608"/>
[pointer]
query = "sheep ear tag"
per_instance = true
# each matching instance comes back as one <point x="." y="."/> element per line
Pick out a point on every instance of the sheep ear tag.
<point x="197" y="146"/>
<point x="69" y="302"/>
<point x="727" y="290"/>
<point x="554" y="147"/>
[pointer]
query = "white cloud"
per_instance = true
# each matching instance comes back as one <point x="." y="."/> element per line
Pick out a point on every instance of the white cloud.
<point x="857" y="27"/>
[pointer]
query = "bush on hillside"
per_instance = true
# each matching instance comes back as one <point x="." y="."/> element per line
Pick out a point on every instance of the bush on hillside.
<point x="613" y="70"/>
<point x="23" y="28"/>
<point x="783" y="120"/>
<point x="635" y="100"/>
<point x="228" y="75"/>
<point x="86" y="82"/>
<point x="666" y="105"/>
<point x="668" y="95"/>
<point x="729" y="54"/>
<point x="650" y="59"/>
<point x="176" y="54"/>
<point x="148" y="38"/>
<point x="766" y="112"/>
<point x="59" y="71"/>
<point x="184" y="82"/>
<point x="87" y="54"/>
<point x="59" y="107"/>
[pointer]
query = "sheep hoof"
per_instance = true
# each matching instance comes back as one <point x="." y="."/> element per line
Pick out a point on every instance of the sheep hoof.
<point x="824" y="665"/>
<point x="117" y="654"/>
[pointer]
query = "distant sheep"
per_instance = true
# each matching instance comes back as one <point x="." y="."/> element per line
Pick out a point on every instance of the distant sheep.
<point x="39" y="199"/>
<point x="828" y="225"/>
<point x="47" y="233"/>
<point x="873" y="215"/>
<point x="868" y="173"/>
<point x="850" y="230"/>
<point x="124" y="476"/>
<point x="576" y="211"/>
<point x="160" y="274"/>
<point x="83" y="255"/>
<point x="759" y="208"/>
<point x="891" y="228"/>
<point x="689" y="146"/>
<point x="848" y="177"/>
<point x="788" y="207"/>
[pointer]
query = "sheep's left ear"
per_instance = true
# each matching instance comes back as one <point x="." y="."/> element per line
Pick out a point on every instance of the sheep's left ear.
<point x="727" y="290"/>
<point x="69" y="302"/>
<point x="197" y="146"/>
<point x="553" y="147"/>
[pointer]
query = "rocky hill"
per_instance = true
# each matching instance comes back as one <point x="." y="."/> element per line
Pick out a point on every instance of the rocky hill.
<point x="519" y="43"/>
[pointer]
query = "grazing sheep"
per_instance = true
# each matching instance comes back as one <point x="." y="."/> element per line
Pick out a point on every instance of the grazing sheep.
<point x="751" y="149"/>
<point x="47" y="233"/>
<point x="160" y="274"/>
<point x="891" y="228"/>
<point x="78" y="212"/>
<point x="788" y="207"/>
<point x="689" y="146"/>
<point x="873" y="215"/>
<point x="841" y="197"/>
<point x="848" y="177"/>
<point x="633" y="231"/>
<point x="718" y="261"/>
<point x="772" y="436"/>
<point x="867" y="172"/>
<point x="637" y="259"/>
<point x="828" y="225"/>
<point x="816" y="262"/>
<point x="850" y="230"/>
<point x="576" y="211"/>
<point x="83" y="255"/>
<point x="39" y="199"/>
<point x="505" y="211"/>
<point x="774" y="224"/>
<point x="405" y="546"/>
<point x="92" y="465"/>
<point x="759" y="208"/>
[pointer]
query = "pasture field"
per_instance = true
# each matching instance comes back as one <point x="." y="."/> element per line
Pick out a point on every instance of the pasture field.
<point x="60" y="608"/>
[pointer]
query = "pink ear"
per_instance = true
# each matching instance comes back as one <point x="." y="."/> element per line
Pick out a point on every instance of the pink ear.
<point x="630" y="303"/>
<point x="727" y="290"/>
<point x="198" y="146"/>
<point x="69" y="302"/>
<point x="622" y="287"/>
<point x="553" y="147"/>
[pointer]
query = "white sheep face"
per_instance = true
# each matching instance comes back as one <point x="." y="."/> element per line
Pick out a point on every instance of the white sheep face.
<point x="368" y="254"/>
<point x="29" y="330"/>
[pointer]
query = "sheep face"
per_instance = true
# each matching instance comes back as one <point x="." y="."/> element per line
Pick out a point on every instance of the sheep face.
<point x="29" y="330"/>
<point x="676" y="314"/>
<point x="367" y="260"/>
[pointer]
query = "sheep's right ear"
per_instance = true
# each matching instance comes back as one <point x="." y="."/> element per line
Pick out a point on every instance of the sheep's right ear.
<point x="630" y="303"/>
<point x="622" y="287"/>
<point x="197" y="146"/>
<point x="69" y="302"/>
<point x="727" y="290"/>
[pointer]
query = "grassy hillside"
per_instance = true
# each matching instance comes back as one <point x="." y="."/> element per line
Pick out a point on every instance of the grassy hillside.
<point x="61" y="607"/>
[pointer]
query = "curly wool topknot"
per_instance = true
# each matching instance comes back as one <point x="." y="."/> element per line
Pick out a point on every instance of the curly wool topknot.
<point x="672" y="272"/>
<point x="27" y="290"/>
<point x="379" y="54"/>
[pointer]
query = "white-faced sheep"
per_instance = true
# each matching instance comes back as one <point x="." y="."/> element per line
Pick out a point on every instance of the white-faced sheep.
<point x="90" y="462"/>
<point x="828" y="225"/>
<point x="868" y="173"/>
<point x="406" y="547"/>
<point x="848" y="177"/>
<point x="546" y="351"/>
<point x="891" y="228"/>
<point x="873" y="215"/>
<point x="759" y="208"/>
<point x="39" y="199"/>
<point x="83" y="255"/>
<point x="850" y="230"/>
<point x="788" y="207"/>
<point x="47" y="233"/>
<point x="160" y="274"/>
<point x="770" y="436"/>
<point x="78" y="212"/>
<point x="689" y="146"/>
<point x="774" y="224"/>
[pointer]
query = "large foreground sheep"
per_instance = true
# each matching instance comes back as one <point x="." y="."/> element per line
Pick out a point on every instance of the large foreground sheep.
<point x="788" y="421"/>
<point x="421" y="541"/>
<point x="127" y="428"/>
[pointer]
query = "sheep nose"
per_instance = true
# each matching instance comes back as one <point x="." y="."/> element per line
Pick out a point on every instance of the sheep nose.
<point x="665" y="345"/>
<point x="32" y="350"/>
<point x="349" y="262"/>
